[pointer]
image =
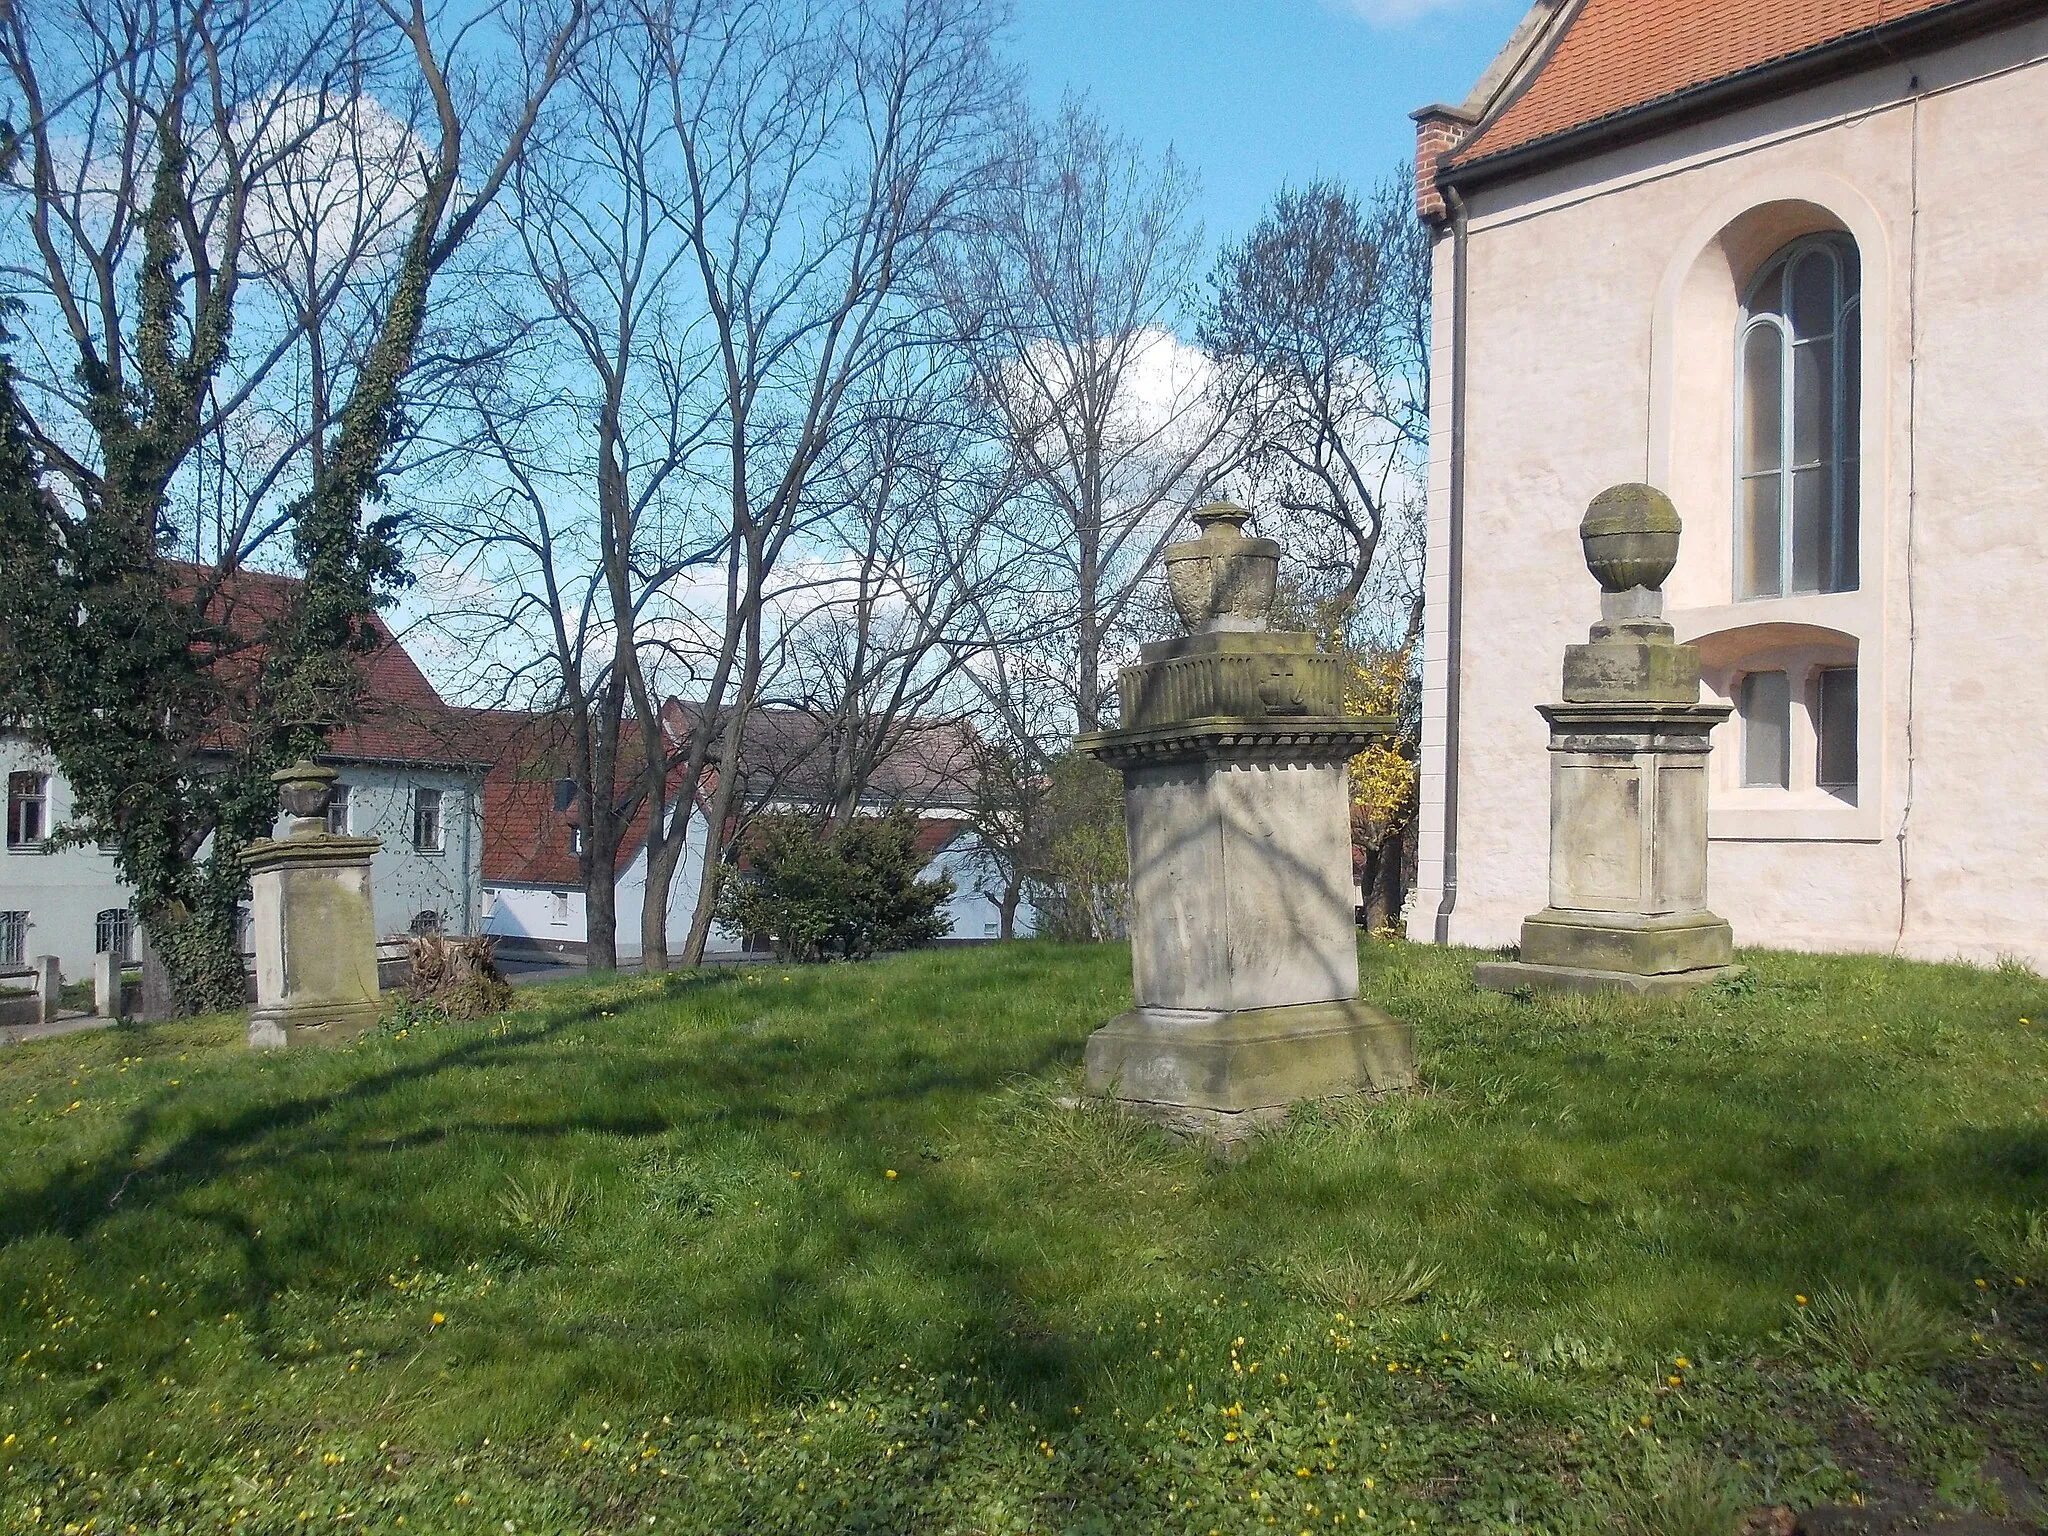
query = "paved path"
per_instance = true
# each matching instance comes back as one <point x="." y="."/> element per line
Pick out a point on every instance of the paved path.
<point x="63" y="1024"/>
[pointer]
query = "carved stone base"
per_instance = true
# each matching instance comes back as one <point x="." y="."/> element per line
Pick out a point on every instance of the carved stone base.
<point x="1650" y="944"/>
<point x="273" y="1029"/>
<point x="1515" y="975"/>
<point x="1208" y="1073"/>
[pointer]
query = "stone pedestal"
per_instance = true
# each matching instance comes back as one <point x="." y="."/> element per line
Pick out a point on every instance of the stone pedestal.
<point x="1244" y="949"/>
<point x="1628" y="785"/>
<point x="106" y="985"/>
<point x="312" y="924"/>
<point x="49" y="988"/>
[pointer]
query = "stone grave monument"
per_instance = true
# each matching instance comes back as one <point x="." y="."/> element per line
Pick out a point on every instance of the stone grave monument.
<point x="1244" y="944"/>
<point x="311" y="921"/>
<point x="1628" y="784"/>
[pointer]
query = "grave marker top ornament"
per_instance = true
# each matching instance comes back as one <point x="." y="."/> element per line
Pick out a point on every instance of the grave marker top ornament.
<point x="1244" y="957"/>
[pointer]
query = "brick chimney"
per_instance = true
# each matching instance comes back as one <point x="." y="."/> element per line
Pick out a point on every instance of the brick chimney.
<point x="1439" y="129"/>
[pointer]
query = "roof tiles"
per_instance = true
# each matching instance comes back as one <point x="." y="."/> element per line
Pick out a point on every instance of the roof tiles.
<point x="1616" y="55"/>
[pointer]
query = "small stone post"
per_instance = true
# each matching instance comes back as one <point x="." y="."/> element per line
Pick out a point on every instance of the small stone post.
<point x="49" y="988"/>
<point x="1244" y="947"/>
<point x="311" y="920"/>
<point x="1628" y="784"/>
<point x="106" y="984"/>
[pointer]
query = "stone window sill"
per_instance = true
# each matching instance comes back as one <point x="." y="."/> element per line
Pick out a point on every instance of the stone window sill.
<point x="1809" y="816"/>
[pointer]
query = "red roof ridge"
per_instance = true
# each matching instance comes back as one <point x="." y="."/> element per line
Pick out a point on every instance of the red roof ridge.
<point x="1575" y="65"/>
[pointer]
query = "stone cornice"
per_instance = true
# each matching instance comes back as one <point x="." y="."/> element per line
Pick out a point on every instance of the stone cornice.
<point x="1577" y="727"/>
<point x="321" y="848"/>
<point x="1304" y="739"/>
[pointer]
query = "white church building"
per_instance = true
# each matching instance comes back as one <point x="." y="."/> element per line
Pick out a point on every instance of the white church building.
<point x="1788" y="263"/>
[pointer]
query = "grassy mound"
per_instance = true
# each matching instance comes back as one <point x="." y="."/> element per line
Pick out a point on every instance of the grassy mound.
<point x="836" y="1249"/>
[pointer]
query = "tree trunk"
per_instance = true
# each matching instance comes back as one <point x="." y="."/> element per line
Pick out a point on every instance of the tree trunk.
<point x="601" y="906"/>
<point x="1013" y="894"/>
<point x="1381" y="887"/>
<point x="715" y="817"/>
<point x="664" y="853"/>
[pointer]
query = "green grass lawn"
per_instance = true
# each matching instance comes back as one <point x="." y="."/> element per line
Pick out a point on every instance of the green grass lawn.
<point x="835" y="1249"/>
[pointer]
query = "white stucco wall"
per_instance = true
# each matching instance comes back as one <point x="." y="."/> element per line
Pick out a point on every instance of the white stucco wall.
<point x="1602" y="301"/>
<point x="62" y="892"/>
<point x="549" y="914"/>
<point x="404" y="880"/>
<point x="976" y="911"/>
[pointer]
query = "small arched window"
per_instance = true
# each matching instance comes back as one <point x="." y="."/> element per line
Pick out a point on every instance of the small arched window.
<point x="1798" y="372"/>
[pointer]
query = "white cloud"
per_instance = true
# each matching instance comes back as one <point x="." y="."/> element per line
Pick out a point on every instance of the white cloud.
<point x="1393" y="13"/>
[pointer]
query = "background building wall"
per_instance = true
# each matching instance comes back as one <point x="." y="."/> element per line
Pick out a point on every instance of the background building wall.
<point x="405" y="881"/>
<point x="63" y="892"/>
<point x="1586" y="367"/>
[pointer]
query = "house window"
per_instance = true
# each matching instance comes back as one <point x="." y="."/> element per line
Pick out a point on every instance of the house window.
<point x="426" y="922"/>
<point x="110" y="931"/>
<point x="565" y="795"/>
<point x="337" y="811"/>
<point x="1834" y="729"/>
<point x="426" y="820"/>
<point x="558" y="908"/>
<point x="1765" y="704"/>
<point x="28" y="804"/>
<point x="1798" y="421"/>
<point x="13" y="939"/>
<point x="575" y="839"/>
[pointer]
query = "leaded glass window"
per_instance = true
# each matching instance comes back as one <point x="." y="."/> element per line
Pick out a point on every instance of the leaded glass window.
<point x="1798" y="422"/>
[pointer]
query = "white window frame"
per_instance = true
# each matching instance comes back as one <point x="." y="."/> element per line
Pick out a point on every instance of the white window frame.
<point x="40" y="798"/>
<point x="439" y="842"/>
<point x="339" y="799"/>
<point x="13" y="939"/>
<point x="1844" y="465"/>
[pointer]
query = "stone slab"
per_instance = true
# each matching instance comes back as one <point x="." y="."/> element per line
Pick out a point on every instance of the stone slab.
<point x="1515" y="975"/>
<point x="309" y="1024"/>
<point x="1641" y="945"/>
<point x="1256" y="1059"/>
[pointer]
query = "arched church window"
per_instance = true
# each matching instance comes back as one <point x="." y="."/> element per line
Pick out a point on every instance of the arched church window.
<point x="1798" y="371"/>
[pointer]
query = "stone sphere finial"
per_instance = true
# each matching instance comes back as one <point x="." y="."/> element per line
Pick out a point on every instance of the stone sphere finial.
<point x="304" y="790"/>
<point x="1630" y="535"/>
<point x="1223" y="580"/>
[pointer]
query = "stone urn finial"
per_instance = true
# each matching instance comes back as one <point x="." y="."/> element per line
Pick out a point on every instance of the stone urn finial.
<point x="304" y="789"/>
<point x="1223" y="580"/>
<point x="1630" y="536"/>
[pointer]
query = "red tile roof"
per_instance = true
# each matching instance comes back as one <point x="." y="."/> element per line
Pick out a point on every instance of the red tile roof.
<point x="526" y="840"/>
<point x="1618" y="55"/>
<point x="401" y="717"/>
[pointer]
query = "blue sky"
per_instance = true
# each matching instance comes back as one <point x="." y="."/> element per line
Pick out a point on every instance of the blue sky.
<point x="1256" y="93"/>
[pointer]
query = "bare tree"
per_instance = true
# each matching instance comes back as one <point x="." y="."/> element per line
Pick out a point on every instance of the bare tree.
<point x="221" y="237"/>
<point x="923" y="547"/>
<point x="824" y="149"/>
<point x="576" y="520"/>
<point x="1323" y="313"/>
<point x="1069" y="289"/>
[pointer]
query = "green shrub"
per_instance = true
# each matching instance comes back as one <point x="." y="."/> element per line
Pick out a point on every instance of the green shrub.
<point x="840" y="894"/>
<point x="1081" y="892"/>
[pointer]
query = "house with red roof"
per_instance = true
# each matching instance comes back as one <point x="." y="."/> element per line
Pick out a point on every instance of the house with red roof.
<point x="411" y="776"/>
<point x="533" y="882"/>
<point x="1786" y="260"/>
